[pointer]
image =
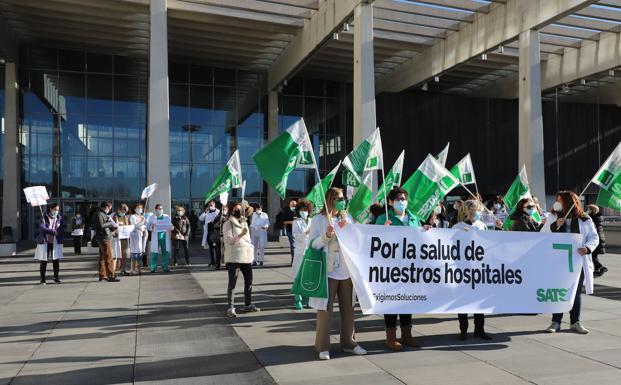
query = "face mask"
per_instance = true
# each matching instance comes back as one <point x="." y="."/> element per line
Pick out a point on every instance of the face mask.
<point x="259" y="211"/>
<point x="497" y="206"/>
<point x="107" y="211"/>
<point x="121" y="214"/>
<point x="400" y="206"/>
<point x="237" y="213"/>
<point x="180" y="213"/>
<point x="529" y="212"/>
<point x="159" y="212"/>
<point x="558" y="206"/>
<point x="455" y="206"/>
<point x="304" y="214"/>
<point x="78" y="215"/>
<point x="477" y="215"/>
<point x="225" y="212"/>
<point x="438" y="210"/>
<point x="54" y="213"/>
<point x="138" y="211"/>
<point x="212" y="208"/>
<point x="292" y="208"/>
<point x="341" y="205"/>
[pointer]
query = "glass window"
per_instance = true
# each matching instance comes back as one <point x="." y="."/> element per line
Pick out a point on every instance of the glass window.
<point x="99" y="63"/>
<point x="71" y="61"/>
<point x="99" y="94"/>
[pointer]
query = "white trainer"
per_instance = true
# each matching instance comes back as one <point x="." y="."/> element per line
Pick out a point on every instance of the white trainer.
<point x="358" y="350"/>
<point x="324" y="355"/>
<point x="231" y="313"/>
<point x="554" y="327"/>
<point x="578" y="328"/>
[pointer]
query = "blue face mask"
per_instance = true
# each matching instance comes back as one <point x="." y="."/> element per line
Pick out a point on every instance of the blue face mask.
<point x="159" y="212"/>
<point x="529" y="212"/>
<point x="400" y="206"/>
<point x="477" y="216"/>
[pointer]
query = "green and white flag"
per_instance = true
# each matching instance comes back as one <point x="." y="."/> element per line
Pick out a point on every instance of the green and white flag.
<point x="443" y="155"/>
<point x="518" y="190"/>
<point x="427" y="186"/>
<point x="367" y="156"/>
<point x="464" y="171"/>
<point x="360" y="203"/>
<point x="318" y="192"/>
<point x="230" y="177"/>
<point x="393" y="178"/>
<point x="290" y="150"/>
<point x="608" y="178"/>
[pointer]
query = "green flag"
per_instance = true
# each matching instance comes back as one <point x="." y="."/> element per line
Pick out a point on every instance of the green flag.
<point x="393" y="178"/>
<point x="318" y="192"/>
<point x="443" y="155"/>
<point x="230" y="177"/>
<point x="290" y="150"/>
<point x="427" y="186"/>
<point x="464" y="171"/>
<point x="518" y="190"/>
<point x="360" y="203"/>
<point x="608" y="178"/>
<point x="367" y="156"/>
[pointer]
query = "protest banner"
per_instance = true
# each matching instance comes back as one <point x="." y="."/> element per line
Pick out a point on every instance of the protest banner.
<point x="397" y="270"/>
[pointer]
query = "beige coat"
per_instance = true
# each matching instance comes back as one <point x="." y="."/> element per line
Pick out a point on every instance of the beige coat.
<point x="237" y="250"/>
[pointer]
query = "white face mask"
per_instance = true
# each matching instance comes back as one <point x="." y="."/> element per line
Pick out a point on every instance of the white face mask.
<point x="438" y="210"/>
<point x="497" y="206"/>
<point x="138" y="211"/>
<point x="304" y="214"/>
<point x="558" y="206"/>
<point x="259" y="211"/>
<point x="455" y="206"/>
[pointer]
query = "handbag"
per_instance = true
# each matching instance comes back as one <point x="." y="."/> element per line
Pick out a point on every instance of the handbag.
<point x="311" y="280"/>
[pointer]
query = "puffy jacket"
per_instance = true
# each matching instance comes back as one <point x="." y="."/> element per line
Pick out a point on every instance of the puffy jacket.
<point x="103" y="226"/>
<point x="182" y="227"/>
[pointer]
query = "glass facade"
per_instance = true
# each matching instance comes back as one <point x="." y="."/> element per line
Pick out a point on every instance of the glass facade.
<point x="324" y="107"/>
<point x="83" y="126"/>
<point x="213" y="112"/>
<point x="1" y="136"/>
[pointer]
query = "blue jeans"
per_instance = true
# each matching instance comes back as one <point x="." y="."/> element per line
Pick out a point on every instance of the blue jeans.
<point x="291" y="243"/>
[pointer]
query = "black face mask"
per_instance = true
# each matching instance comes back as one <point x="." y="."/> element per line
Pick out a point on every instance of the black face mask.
<point x="237" y="213"/>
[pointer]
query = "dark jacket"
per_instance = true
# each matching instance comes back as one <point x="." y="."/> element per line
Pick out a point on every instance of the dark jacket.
<point x="46" y="228"/>
<point x="75" y="225"/>
<point x="523" y="222"/>
<point x="599" y="226"/>
<point x="214" y="229"/>
<point x="182" y="226"/>
<point x="104" y="226"/>
<point x="288" y="215"/>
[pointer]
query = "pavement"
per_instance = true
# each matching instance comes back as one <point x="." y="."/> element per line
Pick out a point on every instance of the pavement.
<point x="171" y="329"/>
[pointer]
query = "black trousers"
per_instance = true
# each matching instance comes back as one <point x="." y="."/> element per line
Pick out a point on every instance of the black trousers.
<point x="479" y="322"/>
<point x="246" y="270"/>
<point x="181" y="243"/>
<point x="574" y="313"/>
<point x="596" y="263"/>
<point x="215" y="252"/>
<point x="77" y="244"/>
<point x="55" y="263"/>
<point x="390" y="320"/>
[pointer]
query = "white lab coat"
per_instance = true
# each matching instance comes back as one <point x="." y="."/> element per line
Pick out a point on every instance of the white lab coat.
<point x="476" y="225"/>
<point x="41" y="252"/>
<point x="590" y="240"/>
<point x="137" y="238"/>
<point x="318" y="240"/>
<point x="300" y="229"/>
<point x="207" y="218"/>
<point x="258" y="229"/>
<point x="151" y="226"/>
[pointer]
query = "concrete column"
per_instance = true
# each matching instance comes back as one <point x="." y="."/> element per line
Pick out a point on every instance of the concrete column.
<point x="530" y="114"/>
<point x="11" y="198"/>
<point x="158" y="156"/>
<point x="364" y="76"/>
<point x="273" y="200"/>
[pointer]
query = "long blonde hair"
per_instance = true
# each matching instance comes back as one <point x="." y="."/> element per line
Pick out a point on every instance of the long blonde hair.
<point x="331" y="195"/>
<point x="465" y="208"/>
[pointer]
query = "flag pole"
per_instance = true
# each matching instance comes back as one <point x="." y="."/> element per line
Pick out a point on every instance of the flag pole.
<point x="323" y="193"/>
<point x="478" y="199"/>
<point x="383" y="177"/>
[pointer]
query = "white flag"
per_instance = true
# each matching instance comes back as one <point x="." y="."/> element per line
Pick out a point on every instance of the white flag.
<point x="148" y="191"/>
<point x="443" y="155"/>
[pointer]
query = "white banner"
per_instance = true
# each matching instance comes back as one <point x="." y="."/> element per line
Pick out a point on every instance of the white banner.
<point x="36" y="195"/>
<point x="148" y="191"/>
<point x="125" y="231"/>
<point x="402" y="270"/>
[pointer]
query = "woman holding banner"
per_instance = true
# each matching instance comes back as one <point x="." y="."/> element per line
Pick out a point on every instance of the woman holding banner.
<point x="568" y="217"/>
<point x="470" y="219"/>
<point x="50" y="242"/>
<point x="339" y="283"/>
<point x="160" y="226"/>
<point x="120" y="247"/>
<point x="398" y="215"/>
<point x="523" y="216"/>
